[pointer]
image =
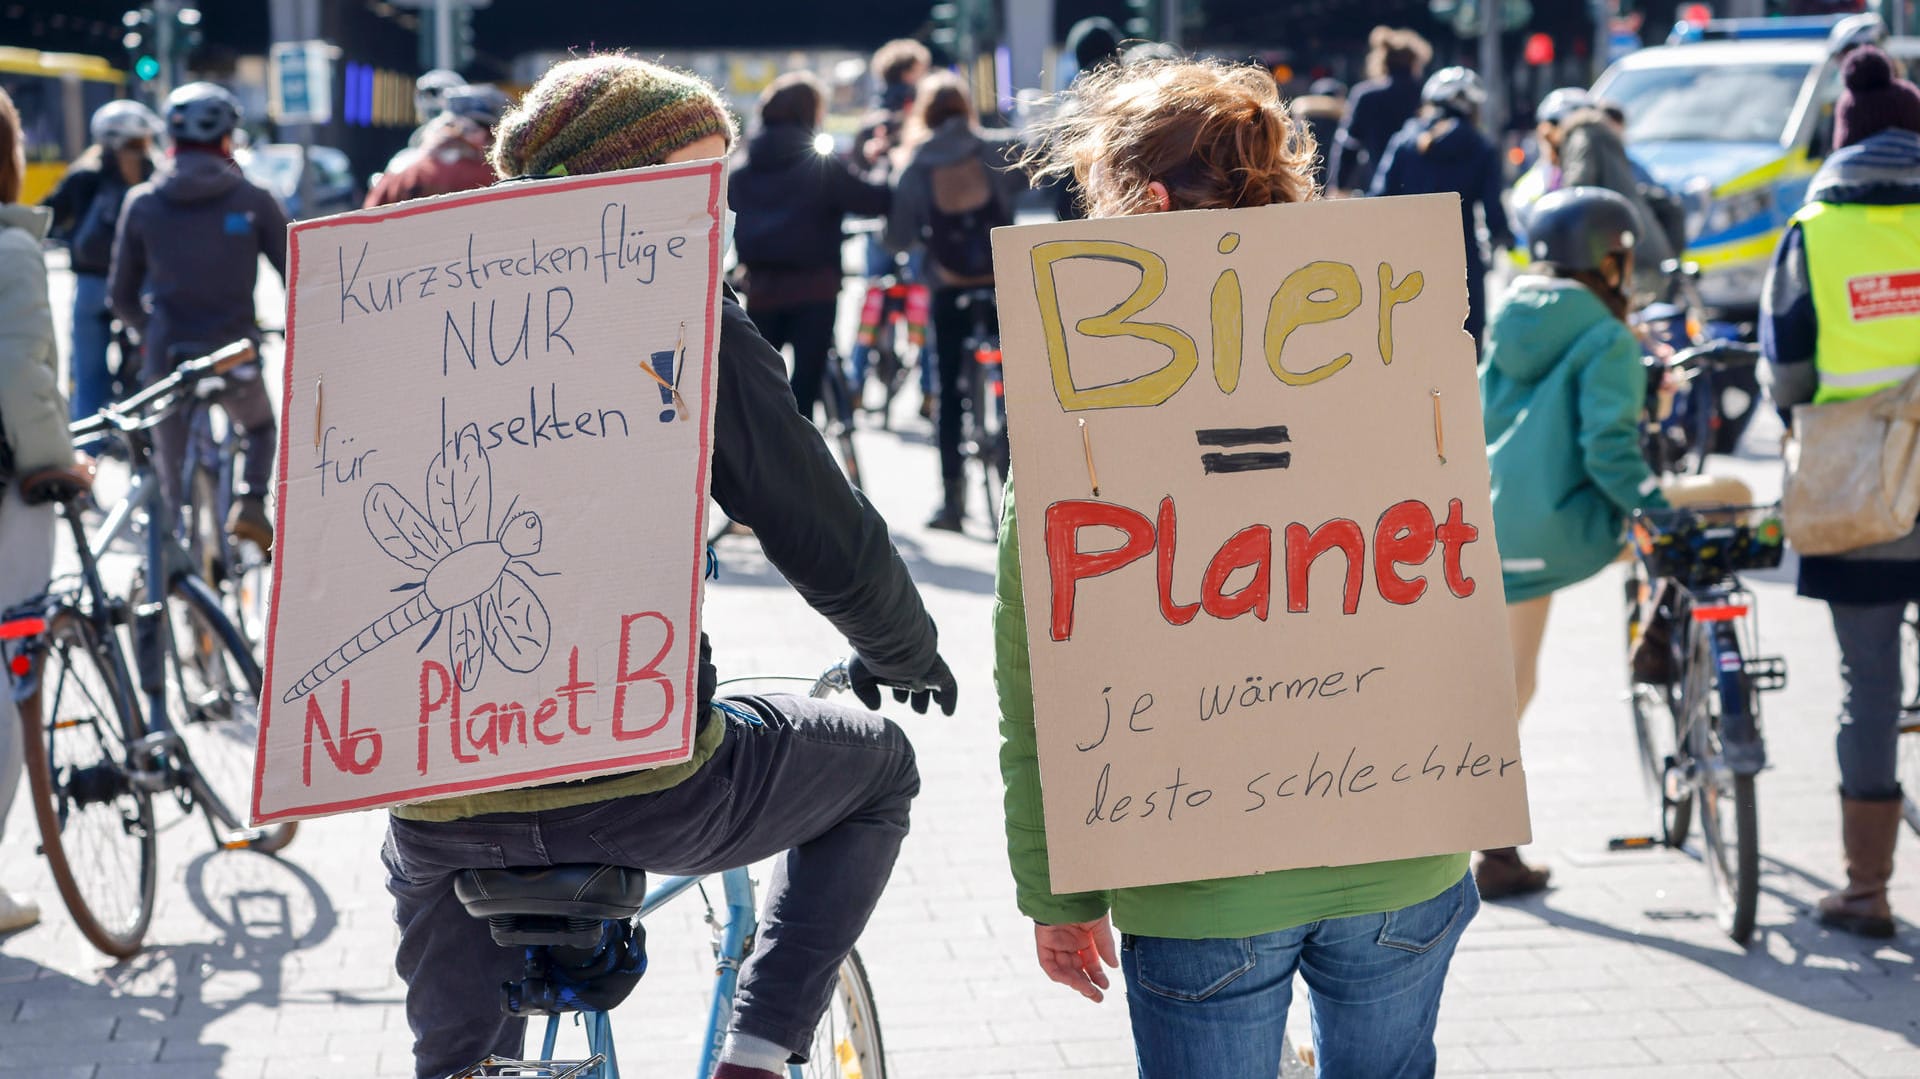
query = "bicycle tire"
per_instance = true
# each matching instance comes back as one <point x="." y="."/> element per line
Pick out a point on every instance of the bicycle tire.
<point x="847" y="1040"/>
<point x="72" y="758"/>
<point x="1727" y="800"/>
<point x="1656" y="726"/>
<point x="214" y="690"/>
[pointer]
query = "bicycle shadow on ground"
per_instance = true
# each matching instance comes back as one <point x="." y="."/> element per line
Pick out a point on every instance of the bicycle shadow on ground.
<point x="262" y="912"/>
<point x="51" y="1022"/>
<point x="1797" y="961"/>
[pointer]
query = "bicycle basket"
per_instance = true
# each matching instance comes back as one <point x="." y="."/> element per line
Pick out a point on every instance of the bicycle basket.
<point x="1708" y="544"/>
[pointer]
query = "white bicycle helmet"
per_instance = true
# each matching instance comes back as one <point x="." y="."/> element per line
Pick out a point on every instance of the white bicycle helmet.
<point x="1456" y="89"/>
<point x="202" y="112"/>
<point x="119" y="122"/>
<point x="430" y="92"/>
<point x="1562" y="103"/>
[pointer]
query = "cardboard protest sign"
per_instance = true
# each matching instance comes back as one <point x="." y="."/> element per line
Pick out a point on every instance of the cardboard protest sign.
<point x="1264" y="606"/>
<point x="493" y="469"/>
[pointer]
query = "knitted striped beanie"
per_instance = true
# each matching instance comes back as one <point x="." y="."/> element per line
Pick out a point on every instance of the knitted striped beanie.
<point x="603" y="113"/>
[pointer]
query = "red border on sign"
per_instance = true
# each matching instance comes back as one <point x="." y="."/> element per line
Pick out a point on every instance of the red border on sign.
<point x="713" y="169"/>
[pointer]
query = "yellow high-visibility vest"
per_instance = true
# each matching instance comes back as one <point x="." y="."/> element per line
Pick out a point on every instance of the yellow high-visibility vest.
<point x="1864" y="266"/>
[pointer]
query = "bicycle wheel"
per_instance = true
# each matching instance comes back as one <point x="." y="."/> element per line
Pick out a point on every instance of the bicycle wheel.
<point x="1729" y="812"/>
<point x="213" y="697"/>
<point x="846" y="1044"/>
<point x="1656" y="723"/>
<point x="837" y="398"/>
<point x="96" y="826"/>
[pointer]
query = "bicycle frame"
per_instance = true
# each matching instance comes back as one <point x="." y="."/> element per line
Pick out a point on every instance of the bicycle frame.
<point x="1725" y="614"/>
<point x="733" y="944"/>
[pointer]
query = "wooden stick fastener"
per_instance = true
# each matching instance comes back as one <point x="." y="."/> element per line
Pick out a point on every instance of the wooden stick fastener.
<point x="1086" y="446"/>
<point x="1439" y="432"/>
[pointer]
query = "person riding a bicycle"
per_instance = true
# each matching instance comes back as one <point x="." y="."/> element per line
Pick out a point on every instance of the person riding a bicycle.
<point x="828" y="785"/>
<point x="1840" y="320"/>
<point x="957" y="187"/>
<point x="36" y="453"/>
<point x="185" y="264"/>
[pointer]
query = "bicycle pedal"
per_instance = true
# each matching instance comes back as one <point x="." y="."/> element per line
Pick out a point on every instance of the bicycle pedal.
<point x="1634" y="842"/>
<point x="1766" y="673"/>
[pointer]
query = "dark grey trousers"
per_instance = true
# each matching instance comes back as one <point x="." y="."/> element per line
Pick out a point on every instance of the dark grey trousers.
<point x="829" y="785"/>
<point x="1870" y="712"/>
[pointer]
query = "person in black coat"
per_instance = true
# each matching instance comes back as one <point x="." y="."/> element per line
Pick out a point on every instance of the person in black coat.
<point x="1380" y="106"/>
<point x="1441" y="151"/>
<point x="792" y="197"/>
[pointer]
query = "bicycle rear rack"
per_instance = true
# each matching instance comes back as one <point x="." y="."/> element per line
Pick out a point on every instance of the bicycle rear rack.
<point x="496" y="1068"/>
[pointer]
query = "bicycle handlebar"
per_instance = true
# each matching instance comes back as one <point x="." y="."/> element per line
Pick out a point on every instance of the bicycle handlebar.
<point x="126" y="415"/>
<point x="1718" y="355"/>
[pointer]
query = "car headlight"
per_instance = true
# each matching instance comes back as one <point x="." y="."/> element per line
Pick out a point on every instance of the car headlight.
<point x="1730" y="210"/>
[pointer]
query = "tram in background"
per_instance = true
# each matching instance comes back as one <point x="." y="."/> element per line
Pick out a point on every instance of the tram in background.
<point x="56" y="93"/>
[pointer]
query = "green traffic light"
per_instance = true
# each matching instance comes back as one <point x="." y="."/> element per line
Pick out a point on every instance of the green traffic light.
<point x="147" y="68"/>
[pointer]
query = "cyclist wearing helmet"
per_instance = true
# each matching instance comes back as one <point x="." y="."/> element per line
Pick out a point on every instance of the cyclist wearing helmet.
<point x="429" y="102"/>
<point x="183" y="275"/>
<point x="86" y="209"/>
<point x="1562" y="389"/>
<point x="453" y="155"/>
<point x="1544" y="174"/>
<point x="1441" y="150"/>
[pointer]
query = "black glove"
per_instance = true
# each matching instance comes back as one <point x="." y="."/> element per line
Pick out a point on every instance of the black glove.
<point x="935" y="684"/>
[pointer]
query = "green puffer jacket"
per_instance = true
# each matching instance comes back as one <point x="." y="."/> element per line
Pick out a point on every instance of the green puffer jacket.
<point x="1562" y="391"/>
<point x="1197" y="910"/>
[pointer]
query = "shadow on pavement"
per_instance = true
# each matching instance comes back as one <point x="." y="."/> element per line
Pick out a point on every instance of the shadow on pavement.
<point x="1797" y="961"/>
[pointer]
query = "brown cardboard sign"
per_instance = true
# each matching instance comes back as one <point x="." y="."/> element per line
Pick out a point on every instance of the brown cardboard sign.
<point x="1265" y="614"/>
<point x="494" y="448"/>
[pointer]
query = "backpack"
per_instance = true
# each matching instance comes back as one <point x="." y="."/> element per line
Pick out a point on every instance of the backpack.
<point x="92" y="242"/>
<point x="966" y="209"/>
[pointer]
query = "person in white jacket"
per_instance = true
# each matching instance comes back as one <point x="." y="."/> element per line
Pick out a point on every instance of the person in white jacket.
<point x="36" y="453"/>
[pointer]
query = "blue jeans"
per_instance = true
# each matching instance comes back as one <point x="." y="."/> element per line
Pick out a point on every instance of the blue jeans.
<point x="92" y="333"/>
<point x="1218" y="1008"/>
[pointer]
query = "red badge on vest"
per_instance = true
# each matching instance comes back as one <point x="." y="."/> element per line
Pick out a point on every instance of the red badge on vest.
<point x="1885" y="295"/>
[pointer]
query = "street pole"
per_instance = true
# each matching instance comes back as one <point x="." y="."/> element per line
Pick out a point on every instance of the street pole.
<point x="1170" y="20"/>
<point x="164" y="13"/>
<point x="1603" y="11"/>
<point x="443" y="34"/>
<point x="1491" y="75"/>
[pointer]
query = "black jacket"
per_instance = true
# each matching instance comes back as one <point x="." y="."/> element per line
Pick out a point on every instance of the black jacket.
<point x="774" y="474"/>
<point x="72" y="198"/>
<point x="791" y="200"/>
<point x="1378" y="109"/>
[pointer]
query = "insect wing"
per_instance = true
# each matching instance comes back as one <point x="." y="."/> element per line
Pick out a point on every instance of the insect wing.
<point x="460" y="489"/>
<point x="466" y="644"/>
<point x="400" y="530"/>
<point x="518" y="629"/>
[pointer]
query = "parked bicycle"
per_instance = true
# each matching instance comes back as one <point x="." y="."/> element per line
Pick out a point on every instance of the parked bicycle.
<point x="983" y="440"/>
<point x="1681" y="423"/>
<point x="1696" y="716"/>
<point x="581" y="930"/>
<point x="893" y="327"/>
<point x="129" y="695"/>
<point x="237" y="569"/>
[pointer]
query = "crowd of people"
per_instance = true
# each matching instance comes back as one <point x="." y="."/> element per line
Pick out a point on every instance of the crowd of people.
<point x="168" y="245"/>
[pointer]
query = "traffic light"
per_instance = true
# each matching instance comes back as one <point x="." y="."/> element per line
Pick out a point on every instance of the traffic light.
<point x="946" y="27"/>
<point x="142" y="46"/>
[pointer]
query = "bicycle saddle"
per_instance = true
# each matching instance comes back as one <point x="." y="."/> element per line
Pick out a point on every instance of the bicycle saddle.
<point x="560" y="891"/>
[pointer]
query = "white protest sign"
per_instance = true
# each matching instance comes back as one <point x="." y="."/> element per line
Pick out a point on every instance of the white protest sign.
<point x="495" y="441"/>
<point x="1264" y="606"/>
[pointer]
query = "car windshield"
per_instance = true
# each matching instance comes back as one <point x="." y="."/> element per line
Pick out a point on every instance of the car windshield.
<point x="1726" y="103"/>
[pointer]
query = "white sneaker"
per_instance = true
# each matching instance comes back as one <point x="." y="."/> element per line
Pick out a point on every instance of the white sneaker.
<point x="16" y="913"/>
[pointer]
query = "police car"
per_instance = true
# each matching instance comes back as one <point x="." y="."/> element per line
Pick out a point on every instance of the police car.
<point x="1735" y="115"/>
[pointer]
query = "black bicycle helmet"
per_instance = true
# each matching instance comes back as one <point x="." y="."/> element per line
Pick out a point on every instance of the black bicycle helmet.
<point x="1576" y="228"/>
<point x="201" y="112"/>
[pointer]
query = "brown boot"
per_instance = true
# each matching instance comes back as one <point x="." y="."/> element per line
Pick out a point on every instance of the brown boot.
<point x="1500" y="874"/>
<point x="1868" y="831"/>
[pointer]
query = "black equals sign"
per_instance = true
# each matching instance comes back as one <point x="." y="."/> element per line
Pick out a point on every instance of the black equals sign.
<point x="1233" y="437"/>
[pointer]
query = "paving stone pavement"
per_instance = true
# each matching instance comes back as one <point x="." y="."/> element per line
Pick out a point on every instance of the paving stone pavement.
<point x="260" y="966"/>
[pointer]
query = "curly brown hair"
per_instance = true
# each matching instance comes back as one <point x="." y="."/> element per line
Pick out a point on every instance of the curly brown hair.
<point x="1215" y="134"/>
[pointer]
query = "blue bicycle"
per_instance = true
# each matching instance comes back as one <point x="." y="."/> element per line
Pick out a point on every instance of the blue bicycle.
<point x="580" y="928"/>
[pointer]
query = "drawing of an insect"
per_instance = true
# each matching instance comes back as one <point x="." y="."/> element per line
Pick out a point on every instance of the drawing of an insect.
<point x="468" y="571"/>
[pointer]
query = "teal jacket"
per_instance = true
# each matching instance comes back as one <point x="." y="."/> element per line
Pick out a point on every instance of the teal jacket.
<point x="1562" y="389"/>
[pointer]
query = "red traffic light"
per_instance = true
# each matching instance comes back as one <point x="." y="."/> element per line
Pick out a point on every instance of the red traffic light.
<point x="1539" y="50"/>
<point x="1696" y="14"/>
